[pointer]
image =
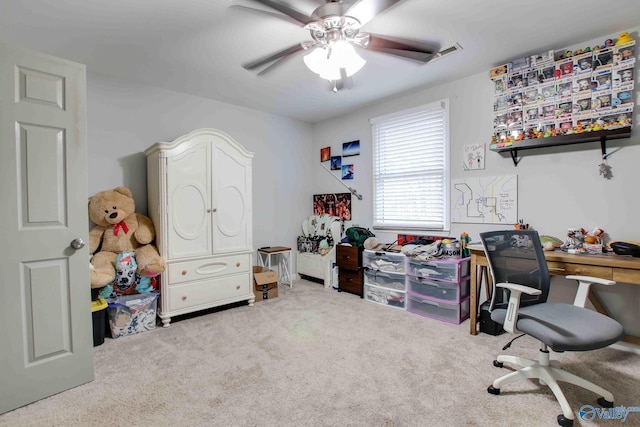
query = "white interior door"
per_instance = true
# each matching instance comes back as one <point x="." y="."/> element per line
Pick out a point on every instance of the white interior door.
<point x="45" y="317"/>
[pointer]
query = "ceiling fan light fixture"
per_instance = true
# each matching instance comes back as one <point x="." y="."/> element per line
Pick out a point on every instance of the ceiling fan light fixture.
<point x="328" y="61"/>
<point x="316" y="60"/>
<point x="344" y="55"/>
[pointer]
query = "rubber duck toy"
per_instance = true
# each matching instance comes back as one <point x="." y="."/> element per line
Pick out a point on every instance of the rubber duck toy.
<point x="624" y="38"/>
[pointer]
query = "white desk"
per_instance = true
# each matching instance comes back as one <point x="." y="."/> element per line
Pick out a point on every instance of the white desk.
<point x="284" y="262"/>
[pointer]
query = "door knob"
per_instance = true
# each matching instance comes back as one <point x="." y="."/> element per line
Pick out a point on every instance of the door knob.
<point x="77" y="243"/>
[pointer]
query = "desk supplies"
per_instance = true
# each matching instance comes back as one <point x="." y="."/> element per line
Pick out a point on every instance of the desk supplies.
<point x="521" y="225"/>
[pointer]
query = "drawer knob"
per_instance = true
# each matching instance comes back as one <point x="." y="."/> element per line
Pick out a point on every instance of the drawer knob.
<point x="238" y="264"/>
<point x="238" y="287"/>
<point x="184" y="272"/>
<point x="184" y="298"/>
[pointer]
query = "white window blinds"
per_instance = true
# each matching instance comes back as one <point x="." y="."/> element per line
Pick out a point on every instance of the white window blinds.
<point x="410" y="168"/>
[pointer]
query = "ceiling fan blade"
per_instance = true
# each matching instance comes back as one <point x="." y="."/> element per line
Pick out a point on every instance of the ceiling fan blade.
<point x="365" y="10"/>
<point x="300" y="17"/>
<point x="273" y="57"/>
<point x="408" y="49"/>
<point x="265" y="12"/>
<point x="278" y="62"/>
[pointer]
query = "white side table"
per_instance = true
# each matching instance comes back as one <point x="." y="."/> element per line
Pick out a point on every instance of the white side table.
<point x="284" y="262"/>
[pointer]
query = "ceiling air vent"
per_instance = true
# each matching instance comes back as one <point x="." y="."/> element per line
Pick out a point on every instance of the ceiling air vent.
<point x="444" y="52"/>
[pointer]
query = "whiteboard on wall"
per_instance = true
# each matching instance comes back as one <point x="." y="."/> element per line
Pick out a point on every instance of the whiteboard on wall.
<point x="485" y="200"/>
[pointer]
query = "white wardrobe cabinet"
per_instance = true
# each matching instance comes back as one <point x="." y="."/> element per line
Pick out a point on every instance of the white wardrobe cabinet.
<point x="199" y="198"/>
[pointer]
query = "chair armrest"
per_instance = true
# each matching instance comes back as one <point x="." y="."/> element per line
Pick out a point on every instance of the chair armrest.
<point x="584" y="283"/>
<point x="519" y="288"/>
<point x="511" y="318"/>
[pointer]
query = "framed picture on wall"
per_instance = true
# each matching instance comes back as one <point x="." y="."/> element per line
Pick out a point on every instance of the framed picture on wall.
<point x="335" y="204"/>
<point x="336" y="163"/>
<point x="347" y="171"/>
<point x="351" y="148"/>
<point x="325" y="154"/>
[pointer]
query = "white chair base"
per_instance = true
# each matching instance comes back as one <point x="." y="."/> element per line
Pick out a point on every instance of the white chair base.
<point x="549" y="372"/>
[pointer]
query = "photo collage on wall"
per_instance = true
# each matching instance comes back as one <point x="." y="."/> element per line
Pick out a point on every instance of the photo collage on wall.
<point x="547" y="95"/>
<point x="351" y="148"/>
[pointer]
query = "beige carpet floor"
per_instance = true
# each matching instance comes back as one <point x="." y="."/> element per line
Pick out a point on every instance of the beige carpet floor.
<point x="316" y="357"/>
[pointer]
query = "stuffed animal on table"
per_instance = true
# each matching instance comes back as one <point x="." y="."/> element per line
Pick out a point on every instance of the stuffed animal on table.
<point x="118" y="228"/>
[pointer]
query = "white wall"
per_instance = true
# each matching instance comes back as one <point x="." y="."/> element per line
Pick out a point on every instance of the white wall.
<point x="559" y="187"/>
<point x="126" y="118"/>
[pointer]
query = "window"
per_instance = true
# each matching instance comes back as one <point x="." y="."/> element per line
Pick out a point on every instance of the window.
<point x="410" y="169"/>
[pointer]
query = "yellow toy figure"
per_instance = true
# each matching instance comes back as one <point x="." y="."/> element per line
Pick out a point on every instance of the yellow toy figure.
<point x="623" y="39"/>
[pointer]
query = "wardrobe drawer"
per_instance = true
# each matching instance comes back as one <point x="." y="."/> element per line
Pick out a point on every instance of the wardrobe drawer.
<point x="187" y="271"/>
<point x="207" y="292"/>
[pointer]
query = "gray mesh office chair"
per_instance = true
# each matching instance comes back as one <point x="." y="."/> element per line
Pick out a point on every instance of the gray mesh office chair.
<point x="519" y="302"/>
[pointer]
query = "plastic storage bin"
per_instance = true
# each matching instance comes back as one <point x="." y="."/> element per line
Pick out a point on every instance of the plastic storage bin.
<point x="99" y="316"/>
<point x="385" y="279"/>
<point x="131" y="314"/>
<point x="449" y="269"/>
<point x="440" y="310"/>
<point x="445" y="291"/>
<point x="383" y="296"/>
<point x="385" y="261"/>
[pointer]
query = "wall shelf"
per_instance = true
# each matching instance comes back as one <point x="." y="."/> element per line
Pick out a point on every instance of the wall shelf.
<point x="554" y="141"/>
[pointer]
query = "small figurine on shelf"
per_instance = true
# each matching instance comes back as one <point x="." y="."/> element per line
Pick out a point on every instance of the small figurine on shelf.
<point x="623" y="38"/>
<point x="521" y="225"/>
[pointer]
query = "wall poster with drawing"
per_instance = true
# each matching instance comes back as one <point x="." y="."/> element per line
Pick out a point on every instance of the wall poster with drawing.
<point x="335" y="204"/>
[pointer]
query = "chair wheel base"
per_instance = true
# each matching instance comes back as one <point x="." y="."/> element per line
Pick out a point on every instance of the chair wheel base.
<point x="604" y="403"/>
<point x="498" y="364"/>
<point x="564" y="421"/>
<point x="492" y="390"/>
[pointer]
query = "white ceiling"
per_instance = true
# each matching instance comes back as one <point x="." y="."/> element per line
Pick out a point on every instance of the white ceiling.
<point x="198" y="46"/>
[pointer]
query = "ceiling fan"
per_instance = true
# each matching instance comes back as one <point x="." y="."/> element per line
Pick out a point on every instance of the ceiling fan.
<point x="335" y="31"/>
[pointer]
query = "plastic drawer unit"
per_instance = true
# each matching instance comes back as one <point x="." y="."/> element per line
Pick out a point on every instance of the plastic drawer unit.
<point x="384" y="296"/>
<point x="385" y="279"/>
<point x="385" y="261"/>
<point x="440" y="310"/>
<point x="448" y="269"/>
<point x="443" y="291"/>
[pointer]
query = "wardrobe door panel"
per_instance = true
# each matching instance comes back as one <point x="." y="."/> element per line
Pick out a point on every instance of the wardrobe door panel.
<point x="189" y="210"/>
<point x="232" y="206"/>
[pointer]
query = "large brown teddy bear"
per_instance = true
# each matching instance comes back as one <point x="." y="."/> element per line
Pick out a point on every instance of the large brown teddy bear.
<point x="120" y="229"/>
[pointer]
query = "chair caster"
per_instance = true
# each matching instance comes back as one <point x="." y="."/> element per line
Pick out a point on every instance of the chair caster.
<point x="498" y="364"/>
<point x="564" y="421"/>
<point x="492" y="390"/>
<point x="604" y="403"/>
